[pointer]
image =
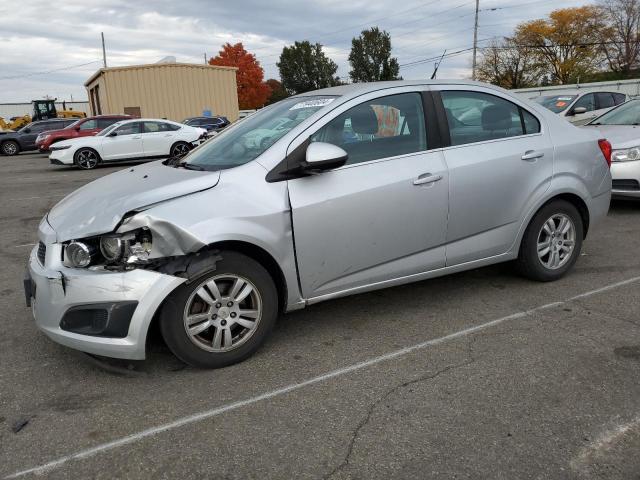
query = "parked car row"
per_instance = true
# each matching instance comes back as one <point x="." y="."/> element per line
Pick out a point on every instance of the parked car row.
<point x="580" y="108"/>
<point x="24" y="140"/>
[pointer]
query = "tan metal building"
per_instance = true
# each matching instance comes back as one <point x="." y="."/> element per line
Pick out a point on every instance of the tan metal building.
<point x="164" y="90"/>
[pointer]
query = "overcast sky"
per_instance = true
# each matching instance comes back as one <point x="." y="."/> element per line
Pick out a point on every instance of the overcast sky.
<point x="45" y="48"/>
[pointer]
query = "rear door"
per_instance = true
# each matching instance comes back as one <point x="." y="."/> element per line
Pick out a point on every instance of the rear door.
<point x="158" y="138"/>
<point x="500" y="162"/>
<point x="127" y="143"/>
<point x="28" y="139"/>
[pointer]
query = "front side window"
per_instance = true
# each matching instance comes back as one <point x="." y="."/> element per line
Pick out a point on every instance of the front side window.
<point x="587" y="101"/>
<point x="380" y="128"/>
<point x="129" y="129"/>
<point x="89" y="125"/>
<point x="255" y="134"/>
<point x="478" y="117"/>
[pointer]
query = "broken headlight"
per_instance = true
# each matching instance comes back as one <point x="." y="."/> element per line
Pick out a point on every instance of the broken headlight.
<point x="130" y="247"/>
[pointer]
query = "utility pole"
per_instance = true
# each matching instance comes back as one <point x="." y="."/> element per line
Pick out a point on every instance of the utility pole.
<point x="205" y="58"/>
<point x="104" y="52"/>
<point x="475" y="41"/>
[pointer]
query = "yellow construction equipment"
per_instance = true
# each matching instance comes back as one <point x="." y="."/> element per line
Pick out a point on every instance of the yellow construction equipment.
<point x="14" y="123"/>
<point x="42" y="110"/>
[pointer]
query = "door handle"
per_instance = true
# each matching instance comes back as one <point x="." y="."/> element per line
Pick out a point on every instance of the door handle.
<point x="426" y="178"/>
<point x="530" y="155"/>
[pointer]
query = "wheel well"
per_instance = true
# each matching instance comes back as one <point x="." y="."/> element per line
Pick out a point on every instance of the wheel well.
<point x="577" y="202"/>
<point x="263" y="258"/>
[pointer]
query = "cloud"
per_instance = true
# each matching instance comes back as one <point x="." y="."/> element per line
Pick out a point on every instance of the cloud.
<point x="144" y="32"/>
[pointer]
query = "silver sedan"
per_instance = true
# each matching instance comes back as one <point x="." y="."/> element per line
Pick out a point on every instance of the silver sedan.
<point x="365" y="186"/>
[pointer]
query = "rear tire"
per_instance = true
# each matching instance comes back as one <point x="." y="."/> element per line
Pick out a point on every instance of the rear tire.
<point x="552" y="242"/>
<point x="222" y="316"/>
<point x="86" y="158"/>
<point x="10" y="148"/>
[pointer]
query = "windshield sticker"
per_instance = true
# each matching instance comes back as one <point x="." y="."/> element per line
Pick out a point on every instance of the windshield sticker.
<point x="561" y="104"/>
<point x="321" y="102"/>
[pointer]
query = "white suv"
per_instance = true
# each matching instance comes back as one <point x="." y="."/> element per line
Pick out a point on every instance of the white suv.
<point x="139" y="139"/>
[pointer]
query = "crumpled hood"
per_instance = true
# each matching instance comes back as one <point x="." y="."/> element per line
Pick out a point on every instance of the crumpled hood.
<point x="99" y="206"/>
<point x="620" y="136"/>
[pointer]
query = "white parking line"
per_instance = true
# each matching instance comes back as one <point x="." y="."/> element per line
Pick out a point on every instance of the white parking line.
<point x="297" y="386"/>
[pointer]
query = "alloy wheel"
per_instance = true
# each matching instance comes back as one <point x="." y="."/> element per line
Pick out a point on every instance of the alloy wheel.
<point x="87" y="159"/>
<point x="10" y="148"/>
<point x="556" y="241"/>
<point x="222" y="313"/>
<point x="180" y="150"/>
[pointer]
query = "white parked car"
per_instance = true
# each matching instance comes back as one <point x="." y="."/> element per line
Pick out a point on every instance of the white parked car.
<point x="137" y="139"/>
<point x="580" y="108"/>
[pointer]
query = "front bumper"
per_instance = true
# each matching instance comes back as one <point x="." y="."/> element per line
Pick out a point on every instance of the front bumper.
<point x="62" y="157"/>
<point x="626" y="179"/>
<point x="59" y="289"/>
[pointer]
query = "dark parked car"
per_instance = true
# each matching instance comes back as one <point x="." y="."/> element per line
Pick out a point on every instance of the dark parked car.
<point x="12" y="143"/>
<point x="212" y="124"/>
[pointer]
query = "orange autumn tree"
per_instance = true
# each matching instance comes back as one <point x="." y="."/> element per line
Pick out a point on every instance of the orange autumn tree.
<point x="252" y="91"/>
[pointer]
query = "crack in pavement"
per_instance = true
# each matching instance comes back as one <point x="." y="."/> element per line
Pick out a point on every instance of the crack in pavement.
<point x="367" y="418"/>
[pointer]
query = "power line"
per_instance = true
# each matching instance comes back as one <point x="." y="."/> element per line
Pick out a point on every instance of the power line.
<point x="25" y="75"/>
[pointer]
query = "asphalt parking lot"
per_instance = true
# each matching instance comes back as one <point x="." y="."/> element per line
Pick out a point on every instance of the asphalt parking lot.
<point x="477" y="375"/>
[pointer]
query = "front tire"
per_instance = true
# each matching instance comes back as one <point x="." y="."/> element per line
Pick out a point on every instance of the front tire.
<point x="10" y="148"/>
<point x="86" y="158"/>
<point x="552" y="242"/>
<point x="179" y="149"/>
<point x="222" y="316"/>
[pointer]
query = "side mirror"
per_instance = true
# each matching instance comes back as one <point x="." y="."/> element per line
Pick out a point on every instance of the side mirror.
<point x="113" y="134"/>
<point x="322" y="156"/>
<point x="77" y="129"/>
<point x="579" y="110"/>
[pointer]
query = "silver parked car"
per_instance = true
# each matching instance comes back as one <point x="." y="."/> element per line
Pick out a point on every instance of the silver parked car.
<point x="367" y="186"/>
<point x="581" y="107"/>
<point x="621" y="126"/>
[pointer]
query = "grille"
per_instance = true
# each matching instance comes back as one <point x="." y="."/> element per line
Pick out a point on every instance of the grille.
<point x="626" y="185"/>
<point x="42" y="251"/>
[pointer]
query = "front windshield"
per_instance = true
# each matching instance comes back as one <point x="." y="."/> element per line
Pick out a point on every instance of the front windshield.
<point x="626" y="114"/>
<point x="109" y="129"/>
<point x="73" y="125"/>
<point x="29" y="125"/>
<point x="556" y="103"/>
<point x="250" y="137"/>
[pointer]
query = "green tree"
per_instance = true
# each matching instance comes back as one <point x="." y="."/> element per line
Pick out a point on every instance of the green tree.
<point x="370" y="57"/>
<point x="304" y="67"/>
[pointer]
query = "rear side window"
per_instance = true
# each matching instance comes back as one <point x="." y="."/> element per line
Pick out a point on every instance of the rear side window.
<point x="151" y="127"/>
<point x="605" y="100"/>
<point x="479" y="117"/>
<point x="619" y="98"/>
<point x="380" y="128"/>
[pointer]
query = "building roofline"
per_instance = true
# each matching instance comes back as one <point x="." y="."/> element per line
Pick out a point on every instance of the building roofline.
<point x="154" y="65"/>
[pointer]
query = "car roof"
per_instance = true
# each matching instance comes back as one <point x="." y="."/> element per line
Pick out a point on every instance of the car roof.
<point x="130" y="120"/>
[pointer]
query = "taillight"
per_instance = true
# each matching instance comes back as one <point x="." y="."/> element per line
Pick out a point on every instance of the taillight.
<point x="606" y="149"/>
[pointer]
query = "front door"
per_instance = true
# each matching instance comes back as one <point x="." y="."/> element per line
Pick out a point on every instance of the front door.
<point x="383" y="215"/>
<point x="127" y="143"/>
<point x="500" y="164"/>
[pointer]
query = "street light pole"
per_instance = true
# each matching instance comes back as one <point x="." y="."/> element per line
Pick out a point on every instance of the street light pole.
<point x="475" y="41"/>
<point x="104" y="52"/>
